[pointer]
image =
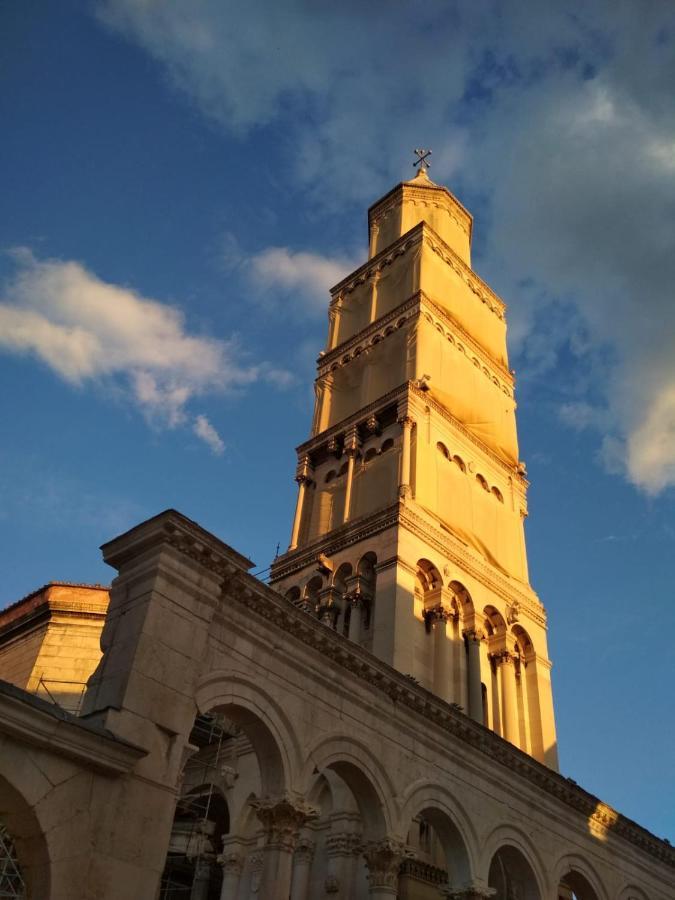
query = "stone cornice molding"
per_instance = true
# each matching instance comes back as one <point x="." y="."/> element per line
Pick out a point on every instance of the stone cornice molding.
<point x="379" y="262"/>
<point x="43" y="725"/>
<point x="176" y="530"/>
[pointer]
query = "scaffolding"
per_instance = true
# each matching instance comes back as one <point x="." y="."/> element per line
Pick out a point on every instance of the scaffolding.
<point x="190" y="872"/>
<point x="11" y="880"/>
<point x="67" y="698"/>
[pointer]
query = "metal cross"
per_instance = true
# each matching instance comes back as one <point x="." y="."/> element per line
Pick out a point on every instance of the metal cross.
<point x="422" y="156"/>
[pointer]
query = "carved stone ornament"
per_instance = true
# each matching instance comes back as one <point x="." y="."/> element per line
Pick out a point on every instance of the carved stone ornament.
<point x="513" y="613"/>
<point x="473" y="891"/>
<point x="304" y="850"/>
<point x="232" y="862"/>
<point x="372" y="425"/>
<point x="331" y="885"/>
<point x="282" y="818"/>
<point x="384" y="859"/>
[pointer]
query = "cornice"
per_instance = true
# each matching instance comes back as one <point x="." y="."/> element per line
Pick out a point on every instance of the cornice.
<point x="409" y="390"/>
<point x="424" y="194"/>
<point x="40" y="724"/>
<point x="265" y="603"/>
<point x="379" y="262"/>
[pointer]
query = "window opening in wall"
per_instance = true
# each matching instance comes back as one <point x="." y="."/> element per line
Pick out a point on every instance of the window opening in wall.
<point x="387" y="445"/>
<point x="459" y="462"/>
<point x="11" y="880"/>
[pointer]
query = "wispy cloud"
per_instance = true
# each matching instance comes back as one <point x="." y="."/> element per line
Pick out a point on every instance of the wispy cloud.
<point x="205" y="430"/>
<point x="87" y="330"/>
<point x="559" y="117"/>
<point x="297" y="278"/>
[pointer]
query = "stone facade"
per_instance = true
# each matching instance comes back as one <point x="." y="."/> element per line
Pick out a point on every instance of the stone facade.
<point x="378" y="723"/>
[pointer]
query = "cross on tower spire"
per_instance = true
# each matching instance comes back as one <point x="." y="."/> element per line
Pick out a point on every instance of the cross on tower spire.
<point x="422" y="157"/>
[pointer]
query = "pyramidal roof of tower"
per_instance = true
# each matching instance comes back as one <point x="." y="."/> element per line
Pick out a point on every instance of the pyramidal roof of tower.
<point x="421" y="181"/>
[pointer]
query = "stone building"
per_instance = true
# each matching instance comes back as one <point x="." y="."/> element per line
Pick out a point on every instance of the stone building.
<point x="375" y="723"/>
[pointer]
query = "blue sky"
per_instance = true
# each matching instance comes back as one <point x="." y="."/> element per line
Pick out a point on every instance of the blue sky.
<point x="182" y="183"/>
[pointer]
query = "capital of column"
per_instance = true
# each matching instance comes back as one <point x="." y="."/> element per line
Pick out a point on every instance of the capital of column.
<point x="343" y="843"/>
<point x="405" y="421"/>
<point x="503" y="657"/>
<point x="304" y="850"/>
<point x="440" y="613"/>
<point x="373" y="425"/>
<point x="282" y="818"/>
<point x="474" y="634"/>
<point x="231" y="861"/>
<point x="384" y="859"/>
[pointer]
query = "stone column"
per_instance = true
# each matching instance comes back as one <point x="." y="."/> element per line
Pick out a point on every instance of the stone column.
<point x="340" y="849"/>
<point x="356" y="602"/>
<point x="232" y="864"/>
<point x="507" y="688"/>
<point x="442" y="653"/>
<point x="473" y="639"/>
<point x="373" y="280"/>
<point x="282" y="820"/>
<point x="351" y="448"/>
<point x="406" y="424"/>
<point x="330" y="605"/>
<point x="384" y="859"/>
<point x="302" y="866"/>
<point x="303" y="479"/>
<point x="200" y="883"/>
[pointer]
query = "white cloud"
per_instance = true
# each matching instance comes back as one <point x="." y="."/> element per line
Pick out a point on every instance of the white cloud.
<point x="205" y="430"/>
<point x="305" y="276"/>
<point x="86" y="329"/>
<point x="568" y="138"/>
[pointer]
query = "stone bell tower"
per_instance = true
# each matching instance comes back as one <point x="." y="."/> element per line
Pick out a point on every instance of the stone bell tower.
<point x="408" y="534"/>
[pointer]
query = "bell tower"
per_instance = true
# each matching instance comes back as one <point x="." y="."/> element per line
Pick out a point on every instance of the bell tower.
<point x="408" y="535"/>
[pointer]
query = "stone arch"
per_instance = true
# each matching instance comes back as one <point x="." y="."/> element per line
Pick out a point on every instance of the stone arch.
<point x="263" y="721"/>
<point x="494" y="623"/>
<point x="450" y="822"/>
<point x="343" y="571"/>
<point x="362" y="772"/>
<point x="21" y="821"/>
<point x="523" y="642"/>
<point x="512" y="847"/>
<point x="574" y="873"/>
<point x="464" y="602"/>
<point x="428" y="576"/>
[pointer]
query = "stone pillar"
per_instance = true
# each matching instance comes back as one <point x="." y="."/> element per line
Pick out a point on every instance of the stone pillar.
<point x="373" y="280"/>
<point x="384" y="859"/>
<point x="340" y="848"/>
<point x="440" y="616"/>
<point x="330" y="605"/>
<point x="406" y="424"/>
<point x="232" y="864"/>
<point x="394" y="620"/>
<point x="302" y="866"/>
<point x="351" y="448"/>
<point x="475" y="693"/>
<point x="355" y="617"/>
<point x="282" y="820"/>
<point x="200" y="883"/>
<point x="507" y="688"/>
<point x="303" y="479"/>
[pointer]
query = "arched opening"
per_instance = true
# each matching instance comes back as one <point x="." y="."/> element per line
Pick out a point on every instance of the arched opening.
<point x="443" y="450"/>
<point x="371" y="453"/>
<point x="459" y="462"/>
<point x="575" y="886"/>
<point x="511" y="876"/>
<point x="498" y="494"/>
<point x="22" y="845"/>
<point x="310" y="595"/>
<point x="387" y="445"/>
<point x="12" y="884"/>
<point x="440" y="856"/>
<point x="340" y="577"/>
<point x="293" y="594"/>
<point x="482" y="481"/>
<point x="231" y="759"/>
